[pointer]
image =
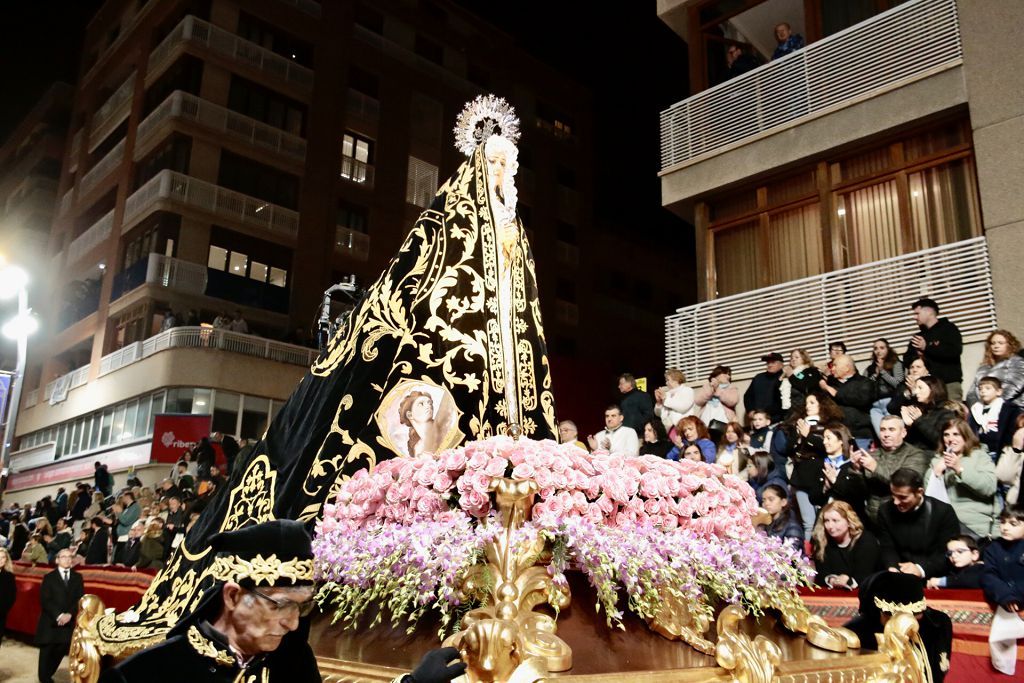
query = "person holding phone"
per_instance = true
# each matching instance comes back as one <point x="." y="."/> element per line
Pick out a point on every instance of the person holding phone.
<point x="966" y="474"/>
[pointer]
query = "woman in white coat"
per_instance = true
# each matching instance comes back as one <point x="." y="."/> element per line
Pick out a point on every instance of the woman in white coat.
<point x="674" y="401"/>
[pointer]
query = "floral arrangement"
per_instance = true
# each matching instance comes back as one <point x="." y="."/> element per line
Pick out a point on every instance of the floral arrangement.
<point x="404" y="536"/>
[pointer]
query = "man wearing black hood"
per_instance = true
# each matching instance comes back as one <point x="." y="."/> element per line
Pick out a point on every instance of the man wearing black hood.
<point x="251" y="625"/>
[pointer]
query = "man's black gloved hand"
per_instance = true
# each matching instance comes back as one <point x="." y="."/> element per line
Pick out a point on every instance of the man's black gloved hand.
<point x="435" y="667"/>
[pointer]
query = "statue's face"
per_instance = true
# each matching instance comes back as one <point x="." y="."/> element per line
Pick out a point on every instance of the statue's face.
<point x="496" y="163"/>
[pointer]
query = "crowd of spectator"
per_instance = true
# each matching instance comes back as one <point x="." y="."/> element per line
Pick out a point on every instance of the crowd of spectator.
<point x="891" y="467"/>
<point x="131" y="526"/>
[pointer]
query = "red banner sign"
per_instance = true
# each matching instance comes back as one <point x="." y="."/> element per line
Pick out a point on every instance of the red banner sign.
<point x="175" y="434"/>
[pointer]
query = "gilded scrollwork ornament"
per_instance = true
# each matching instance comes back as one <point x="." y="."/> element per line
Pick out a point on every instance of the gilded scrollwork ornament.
<point x="84" y="656"/>
<point x="747" y="660"/>
<point x="506" y="635"/>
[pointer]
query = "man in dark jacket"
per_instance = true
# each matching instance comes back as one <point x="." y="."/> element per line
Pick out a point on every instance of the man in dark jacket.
<point x="854" y="393"/>
<point x="97" y="552"/>
<point x="637" y="406"/>
<point x="878" y="468"/>
<point x="913" y="529"/>
<point x="204" y="456"/>
<point x="940" y="344"/>
<point x="59" y="594"/>
<point x="128" y="553"/>
<point x="102" y="479"/>
<point x="254" y="618"/>
<point x="763" y="392"/>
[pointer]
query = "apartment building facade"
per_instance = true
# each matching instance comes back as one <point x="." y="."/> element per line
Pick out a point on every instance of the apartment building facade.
<point x="243" y="156"/>
<point x="833" y="186"/>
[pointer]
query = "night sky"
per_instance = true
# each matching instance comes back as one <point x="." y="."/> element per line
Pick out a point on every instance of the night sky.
<point x="634" y="65"/>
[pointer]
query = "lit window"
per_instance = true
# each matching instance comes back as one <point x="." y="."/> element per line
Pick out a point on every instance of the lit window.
<point x="218" y="258"/>
<point x="237" y="263"/>
<point x="278" y="277"/>
<point x="422" y="182"/>
<point x="258" y="271"/>
<point x="356" y="157"/>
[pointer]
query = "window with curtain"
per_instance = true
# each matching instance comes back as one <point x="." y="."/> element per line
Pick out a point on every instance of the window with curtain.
<point x="794" y="244"/>
<point x="870" y="227"/>
<point x="943" y="205"/>
<point x="736" y="252"/>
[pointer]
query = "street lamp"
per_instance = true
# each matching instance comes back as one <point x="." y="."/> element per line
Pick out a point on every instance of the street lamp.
<point x="14" y="282"/>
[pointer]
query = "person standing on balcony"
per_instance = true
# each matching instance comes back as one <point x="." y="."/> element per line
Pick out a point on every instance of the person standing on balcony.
<point x="739" y="62"/>
<point x="939" y="343"/>
<point x="763" y="392"/>
<point x="222" y="321"/>
<point x="637" y="406"/>
<point x="787" y="41"/>
<point x="238" y="323"/>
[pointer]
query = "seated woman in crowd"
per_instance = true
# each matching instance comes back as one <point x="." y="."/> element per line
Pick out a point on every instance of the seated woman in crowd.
<point x="728" y="452"/>
<point x="968" y="476"/>
<point x="800" y="378"/>
<point x="965" y="565"/>
<point x="674" y="401"/>
<point x="152" y="553"/>
<point x="716" y="400"/>
<point x="1011" y="464"/>
<point x="904" y="394"/>
<point x="784" y="523"/>
<point x="839" y="477"/>
<point x="655" y="440"/>
<point x="845" y="553"/>
<point x="692" y="430"/>
<point x="761" y="474"/>
<point x="886" y="371"/>
<point x="1002" y="362"/>
<point x="691" y="452"/>
<point x="926" y="415"/>
<point x="35" y="551"/>
<point x="798" y="445"/>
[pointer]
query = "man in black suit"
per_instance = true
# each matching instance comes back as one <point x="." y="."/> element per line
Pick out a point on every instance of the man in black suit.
<point x="58" y="597"/>
<point x="128" y="554"/>
<point x="913" y="529"/>
<point x="97" y="552"/>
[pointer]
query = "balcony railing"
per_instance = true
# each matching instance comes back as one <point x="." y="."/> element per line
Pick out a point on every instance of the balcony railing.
<point x="196" y="32"/>
<point x="76" y="150"/>
<point x="207" y="338"/>
<point x="103" y="168"/>
<point x="161" y="271"/>
<point x="310" y="7"/>
<point x="361" y="106"/>
<point x="96" y="234"/>
<point x="352" y="243"/>
<point x="358" y="172"/>
<point x="909" y="42"/>
<point x="182" y="105"/>
<point x="857" y="305"/>
<point x="57" y="390"/>
<point x="65" y="201"/>
<point x="112" y="112"/>
<point x="198" y="194"/>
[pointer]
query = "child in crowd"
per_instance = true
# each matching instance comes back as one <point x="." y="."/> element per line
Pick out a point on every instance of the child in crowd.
<point x="784" y="523"/>
<point x="1003" y="583"/>
<point x="965" y="565"/>
<point x="992" y="418"/>
<point x="760" y="434"/>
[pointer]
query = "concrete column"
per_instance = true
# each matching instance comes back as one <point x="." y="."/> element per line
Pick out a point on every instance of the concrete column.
<point x="993" y="64"/>
<point x="194" y="240"/>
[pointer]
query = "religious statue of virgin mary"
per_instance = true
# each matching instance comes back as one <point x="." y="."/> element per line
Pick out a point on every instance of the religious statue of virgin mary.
<point x="446" y="346"/>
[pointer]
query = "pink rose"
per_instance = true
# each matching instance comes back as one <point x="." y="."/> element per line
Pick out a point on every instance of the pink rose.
<point x="495" y="467"/>
<point x="524" y="470"/>
<point x="455" y="460"/>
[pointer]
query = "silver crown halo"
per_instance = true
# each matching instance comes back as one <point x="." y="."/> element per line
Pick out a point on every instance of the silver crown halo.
<point x="485" y="116"/>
